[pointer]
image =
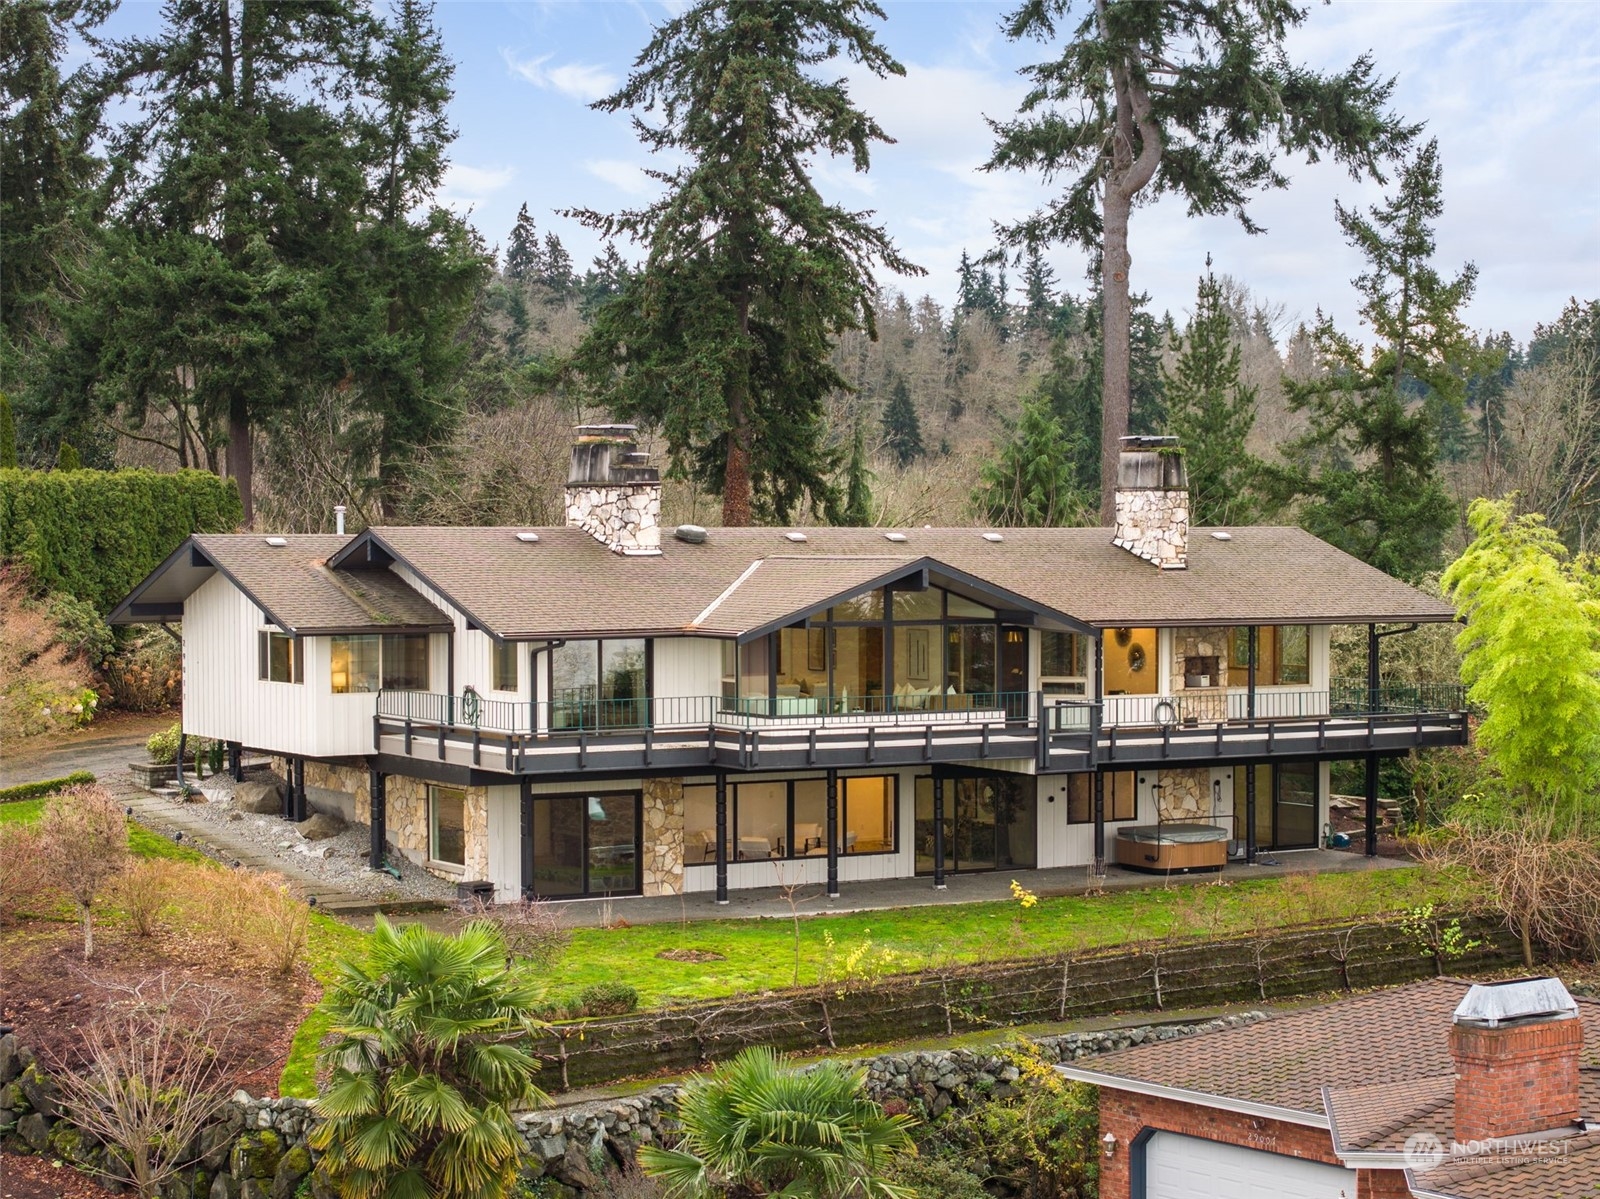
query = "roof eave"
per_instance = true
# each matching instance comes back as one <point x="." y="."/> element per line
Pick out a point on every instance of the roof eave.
<point x="1155" y="1090"/>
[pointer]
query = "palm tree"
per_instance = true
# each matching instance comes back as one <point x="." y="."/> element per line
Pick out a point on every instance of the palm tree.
<point x="756" y="1126"/>
<point x="430" y="1060"/>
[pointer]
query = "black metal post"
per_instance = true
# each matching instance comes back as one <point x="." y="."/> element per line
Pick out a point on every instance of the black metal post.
<point x="938" y="832"/>
<point x="299" y="790"/>
<point x="722" y="837"/>
<point x="286" y="808"/>
<point x="236" y="761"/>
<point x="1099" y="824"/>
<point x="1250" y="710"/>
<point x="526" y="831"/>
<point x="1372" y="759"/>
<point x="1250" y="813"/>
<point x="377" y="818"/>
<point x="833" y="834"/>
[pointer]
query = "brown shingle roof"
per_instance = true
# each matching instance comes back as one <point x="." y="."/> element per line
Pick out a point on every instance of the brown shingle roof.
<point x="295" y="588"/>
<point x="1565" y="1169"/>
<point x="568" y="584"/>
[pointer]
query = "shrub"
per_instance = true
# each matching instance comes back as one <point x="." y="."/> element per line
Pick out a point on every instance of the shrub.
<point x="145" y="892"/>
<point x="163" y="746"/>
<point x="81" y="629"/>
<point x="27" y="887"/>
<point x="45" y="786"/>
<point x="755" y="1125"/>
<point x="256" y="919"/>
<point x="609" y="999"/>
<point x="532" y="928"/>
<point x="146" y="676"/>
<point x="44" y="685"/>
<point x="429" y="1059"/>
<point x="84" y="838"/>
<point x="95" y="534"/>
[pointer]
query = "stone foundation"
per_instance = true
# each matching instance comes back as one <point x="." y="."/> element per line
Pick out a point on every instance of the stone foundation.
<point x="1185" y="794"/>
<point x="407" y="812"/>
<point x="662" y="867"/>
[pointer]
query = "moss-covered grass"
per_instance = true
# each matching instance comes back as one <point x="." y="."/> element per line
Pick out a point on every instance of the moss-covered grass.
<point x="760" y="955"/>
<point x="328" y="942"/>
<point x="141" y="841"/>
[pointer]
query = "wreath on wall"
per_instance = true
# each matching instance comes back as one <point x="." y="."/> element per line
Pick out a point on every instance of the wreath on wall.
<point x="1136" y="659"/>
<point x="1124" y="636"/>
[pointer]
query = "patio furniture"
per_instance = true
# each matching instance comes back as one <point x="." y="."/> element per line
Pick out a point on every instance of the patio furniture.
<point x="754" y="848"/>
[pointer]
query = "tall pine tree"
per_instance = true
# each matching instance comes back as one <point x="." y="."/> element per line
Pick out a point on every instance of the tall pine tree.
<point x="902" y="430"/>
<point x="1031" y="481"/>
<point x="1193" y="98"/>
<point x="723" y="340"/>
<point x="524" y="262"/>
<point x="1211" y="413"/>
<point x="1367" y="471"/>
<point x="858" y="482"/>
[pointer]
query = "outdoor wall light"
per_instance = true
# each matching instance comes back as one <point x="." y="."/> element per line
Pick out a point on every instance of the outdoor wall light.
<point x="1109" y="1144"/>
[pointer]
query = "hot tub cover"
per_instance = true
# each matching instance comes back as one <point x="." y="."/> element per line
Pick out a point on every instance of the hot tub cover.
<point x="1174" y="834"/>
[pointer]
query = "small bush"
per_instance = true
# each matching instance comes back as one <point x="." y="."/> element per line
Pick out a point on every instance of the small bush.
<point x="45" y="786"/>
<point x="145" y="892"/>
<point x="163" y="746"/>
<point x="27" y="887"/>
<point x="147" y="676"/>
<point x="608" y="999"/>
<point x="84" y="843"/>
<point x="533" y="929"/>
<point x="80" y="628"/>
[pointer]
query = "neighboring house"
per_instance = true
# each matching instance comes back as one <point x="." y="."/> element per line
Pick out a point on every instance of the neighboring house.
<point x="1441" y="1089"/>
<point x="603" y="710"/>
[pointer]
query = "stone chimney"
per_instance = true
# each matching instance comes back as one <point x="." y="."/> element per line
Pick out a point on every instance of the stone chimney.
<point x="1516" y="1047"/>
<point x="612" y="491"/>
<point x="1152" y="502"/>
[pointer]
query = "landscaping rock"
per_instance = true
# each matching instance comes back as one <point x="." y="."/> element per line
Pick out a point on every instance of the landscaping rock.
<point x="292" y="1169"/>
<point x="262" y="799"/>
<point x="40" y="1090"/>
<point x="34" y="1130"/>
<point x="9" y="1066"/>
<point x="223" y="1186"/>
<point x="321" y="826"/>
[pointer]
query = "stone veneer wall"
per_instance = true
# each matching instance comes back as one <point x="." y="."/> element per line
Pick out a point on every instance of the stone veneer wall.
<point x="1208" y="705"/>
<point x="407" y="812"/>
<point x="1154" y="524"/>
<point x="1185" y="793"/>
<point x="623" y="517"/>
<point x="257" y="1148"/>
<point x="662" y="867"/>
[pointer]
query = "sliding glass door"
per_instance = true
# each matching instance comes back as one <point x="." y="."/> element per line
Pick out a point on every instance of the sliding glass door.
<point x="989" y="823"/>
<point x="1286" y="804"/>
<point x="579" y="845"/>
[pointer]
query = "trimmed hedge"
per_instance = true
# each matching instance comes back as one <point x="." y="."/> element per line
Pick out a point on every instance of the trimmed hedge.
<point x="95" y="534"/>
<point x="44" y="786"/>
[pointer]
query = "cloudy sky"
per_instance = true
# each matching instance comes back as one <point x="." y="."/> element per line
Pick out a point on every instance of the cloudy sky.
<point x="1511" y="90"/>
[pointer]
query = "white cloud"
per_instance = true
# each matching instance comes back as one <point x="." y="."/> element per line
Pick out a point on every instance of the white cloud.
<point x="626" y="177"/>
<point x="581" y="81"/>
<point x="466" y="187"/>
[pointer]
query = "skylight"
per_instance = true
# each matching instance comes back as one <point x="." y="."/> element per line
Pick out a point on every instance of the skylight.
<point x="795" y="536"/>
<point x="1222" y="535"/>
<point x="896" y="537"/>
<point x="529" y="538"/>
<point x="993" y="537"/>
<point x="277" y="543"/>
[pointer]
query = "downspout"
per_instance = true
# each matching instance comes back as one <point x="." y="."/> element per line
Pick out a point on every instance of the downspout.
<point x="533" y="681"/>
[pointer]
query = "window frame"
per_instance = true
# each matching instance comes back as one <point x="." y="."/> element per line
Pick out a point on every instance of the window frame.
<point x="433" y="828"/>
<point x="789" y="854"/>
<point x="383" y="640"/>
<point x="646" y="701"/>
<point x="1071" y="684"/>
<point x="1111" y="797"/>
<point x="297" y="660"/>
<point x="499" y="651"/>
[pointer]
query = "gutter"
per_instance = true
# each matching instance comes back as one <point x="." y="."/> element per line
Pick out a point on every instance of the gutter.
<point x="1242" y="1107"/>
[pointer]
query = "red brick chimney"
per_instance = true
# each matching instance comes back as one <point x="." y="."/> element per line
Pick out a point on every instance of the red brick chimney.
<point x="1516" y="1047"/>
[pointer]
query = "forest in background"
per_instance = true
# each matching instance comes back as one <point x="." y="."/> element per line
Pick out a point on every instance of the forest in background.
<point x="369" y="348"/>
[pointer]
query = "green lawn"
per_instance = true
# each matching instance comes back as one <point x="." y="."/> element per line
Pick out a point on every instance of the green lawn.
<point x="760" y="954"/>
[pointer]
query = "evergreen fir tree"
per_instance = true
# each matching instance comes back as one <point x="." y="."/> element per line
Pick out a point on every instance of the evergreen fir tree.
<point x="524" y="263"/>
<point x="67" y="457"/>
<point x="1038" y="293"/>
<point x="1212" y="413"/>
<point x="724" y="338"/>
<point x="555" y="271"/>
<point x="902" y="431"/>
<point x="1197" y="99"/>
<point x="1031" y="481"/>
<point x="1367" y="471"/>
<point x="8" y="433"/>
<point x="858" y="483"/>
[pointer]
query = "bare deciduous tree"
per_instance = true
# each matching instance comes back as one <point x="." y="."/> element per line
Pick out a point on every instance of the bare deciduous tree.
<point x="156" y="1075"/>
<point x="533" y="929"/>
<point x="84" y="838"/>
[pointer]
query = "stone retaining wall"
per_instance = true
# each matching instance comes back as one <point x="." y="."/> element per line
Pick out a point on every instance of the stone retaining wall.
<point x="258" y="1148"/>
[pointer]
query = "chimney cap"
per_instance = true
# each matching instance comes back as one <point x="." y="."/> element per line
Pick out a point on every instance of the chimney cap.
<point x="1144" y="442"/>
<point x="606" y="432"/>
<point x="1490" y="1005"/>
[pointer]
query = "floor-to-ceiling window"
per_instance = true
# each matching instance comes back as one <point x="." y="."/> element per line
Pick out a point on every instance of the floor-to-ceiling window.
<point x="773" y="820"/>
<point x="1286" y="804"/>
<point x="990" y="823"/>
<point x="926" y="650"/>
<point x="600" y="684"/>
<point x="582" y="844"/>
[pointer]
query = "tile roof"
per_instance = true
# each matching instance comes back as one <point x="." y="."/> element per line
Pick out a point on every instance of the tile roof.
<point x="568" y="584"/>
<point x="302" y="595"/>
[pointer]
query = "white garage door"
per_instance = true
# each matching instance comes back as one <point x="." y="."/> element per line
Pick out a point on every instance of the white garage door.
<point x="1180" y="1167"/>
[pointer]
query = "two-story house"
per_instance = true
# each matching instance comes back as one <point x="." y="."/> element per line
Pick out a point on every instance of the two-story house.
<point x="609" y="708"/>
